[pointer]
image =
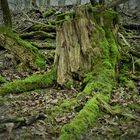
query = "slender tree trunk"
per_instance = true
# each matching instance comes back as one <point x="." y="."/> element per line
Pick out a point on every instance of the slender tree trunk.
<point x="6" y="13"/>
<point x="34" y="3"/>
<point x="48" y="2"/>
<point x="93" y="2"/>
<point x="78" y="2"/>
<point x="61" y="2"/>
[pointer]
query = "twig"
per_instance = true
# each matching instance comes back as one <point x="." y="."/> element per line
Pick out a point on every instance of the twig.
<point x="123" y="38"/>
<point x="30" y="20"/>
<point x="133" y="37"/>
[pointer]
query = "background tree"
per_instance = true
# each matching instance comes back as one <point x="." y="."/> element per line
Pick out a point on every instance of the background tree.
<point x="61" y="2"/>
<point x="6" y="13"/>
<point x="27" y="4"/>
<point x="78" y="2"/>
<point x="93" y="2"/>
<point x="101" y="1"/>
<point x="48" y="2"/>
<point x="34" y="3"/>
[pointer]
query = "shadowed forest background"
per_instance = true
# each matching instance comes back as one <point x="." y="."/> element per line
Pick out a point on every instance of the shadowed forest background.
<point x="69" y="69"/>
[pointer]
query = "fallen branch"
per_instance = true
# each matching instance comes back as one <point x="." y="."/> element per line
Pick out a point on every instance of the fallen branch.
<point x="124" y="40"/>
<point x="119" y="111"/>
<point x="32" y="21"/>
<point x="132" y="26"/>
<point x="133" y="37"/>
<point x="20" y="121"/>
<point x="30" y="83"/>
<point x="38" y="34"/>
<point x="48" y="46"/>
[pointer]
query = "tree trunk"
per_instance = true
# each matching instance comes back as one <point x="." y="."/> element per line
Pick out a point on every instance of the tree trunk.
<point x="6" y="13"/>
<point x="23" y="51"/>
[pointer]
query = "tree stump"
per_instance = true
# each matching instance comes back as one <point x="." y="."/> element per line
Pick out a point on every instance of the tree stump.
<point x="84" y="42"/>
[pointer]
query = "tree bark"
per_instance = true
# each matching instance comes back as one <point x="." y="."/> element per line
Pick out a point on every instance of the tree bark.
<point x="6" y="13"/>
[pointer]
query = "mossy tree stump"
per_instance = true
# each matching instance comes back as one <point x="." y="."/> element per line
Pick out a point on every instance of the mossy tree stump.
<point x="85" y="43"/>
<point x="87" y="47"/>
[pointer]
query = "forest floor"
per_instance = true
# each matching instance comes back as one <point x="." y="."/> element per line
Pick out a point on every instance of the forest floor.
<point x="40" y="114"/>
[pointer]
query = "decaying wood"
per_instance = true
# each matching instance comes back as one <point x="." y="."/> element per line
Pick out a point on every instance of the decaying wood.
<point x="22" y="50"/>
<point x="74" y="49"/>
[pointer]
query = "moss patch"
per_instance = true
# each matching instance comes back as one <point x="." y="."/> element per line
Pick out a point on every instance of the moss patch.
<point x="2" y="80"/>
<point x="30" y="83"/>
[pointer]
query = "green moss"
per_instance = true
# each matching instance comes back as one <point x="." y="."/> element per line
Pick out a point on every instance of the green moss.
<point x="86" y="117"/>
<point x="109" y="17"/>
<point x="111" y="37"/>
<point x="40" y="27"/>
<point x="68" y="104"/>
<point x="2" y="80"/>
<point x="49" y="13"/>
<point x="39" y="59"/>
<point x="66" y="16"/>
<point x="127" y="82"/>
<point x="135" y="106"/>
<point x="101" y="80"/>
<point x="22" y="119"/>
<point x="30" y="83"/>
<point x="69" y="84"/>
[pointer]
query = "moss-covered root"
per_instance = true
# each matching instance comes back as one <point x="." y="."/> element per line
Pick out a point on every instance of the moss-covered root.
<point x="30" y="83"/>
<point x="2" y="80"/>
<point x="86" y="117"/>
<point x="23" y="51"/>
